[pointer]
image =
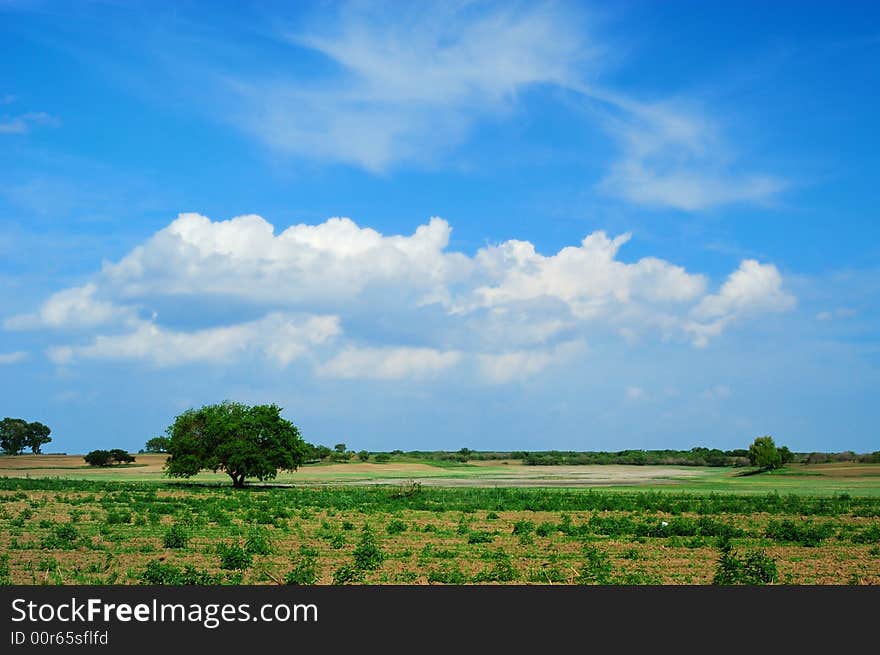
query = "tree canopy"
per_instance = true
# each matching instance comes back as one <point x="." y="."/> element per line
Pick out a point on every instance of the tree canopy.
<point x="156" y="445"/>
<point x="108" y="457"/>
<point x="17" y="434"/>
<point x="764" y="454"/>
<point x="242" y="441"/>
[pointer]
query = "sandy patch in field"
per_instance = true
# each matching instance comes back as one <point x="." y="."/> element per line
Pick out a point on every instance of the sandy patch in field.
<point x="531" y="476"/>
<point x="365" y="467"/>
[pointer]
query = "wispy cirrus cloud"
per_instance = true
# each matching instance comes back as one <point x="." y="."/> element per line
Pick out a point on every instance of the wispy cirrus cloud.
<point x="23" y="123"/>
<point x="411" y="80"/>
<point x="410" y="85"/>
<point x="672" y="156"/>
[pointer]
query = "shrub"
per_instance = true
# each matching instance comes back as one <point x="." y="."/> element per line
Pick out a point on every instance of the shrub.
<point x="5" y="576"/>
<point x="117" y="517"/>
<point x="368" y="556"/>
<point x="258" y="542"/>
<point x="755" y="568"/>
<point x="63" y="537"/>
<point x="305" y="571"/>
<point x="175" y="537"/>
<point x="480" y="537"/>
<point x="159" y="573"/>
<point x="870" y="535"/>
<point x="596" y="567"/>
<point x="802" y="533"/>
<point x="447" y="575"/>
<point x="631" y="554"/>
<point x="396" y="526"/>
<point x="523" y="527"/>
<point x="47" y="564"/>
<point x="348" y="574"/>
<point x="501" y="570"/>
<point x="234" y="557"/>
<point x="545" y="529"/>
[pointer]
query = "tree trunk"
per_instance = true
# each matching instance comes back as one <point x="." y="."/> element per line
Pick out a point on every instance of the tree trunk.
<point x="237" y="480"/>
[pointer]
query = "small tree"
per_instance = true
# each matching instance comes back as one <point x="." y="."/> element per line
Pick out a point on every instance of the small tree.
<point x="242" y="441"/>
<point x="764" y="454"/>
<point x="341" y="453"/>
<point x="363" y="455"/>
<point x="786" y="455"/>
<point x="156" y="445"/>
<point x="108" y="457"/>
<point x="98" y="458"/>
<point x="120" y="456"/>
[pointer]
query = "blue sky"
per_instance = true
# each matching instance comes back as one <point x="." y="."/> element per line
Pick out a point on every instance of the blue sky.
<point x="493" y="225"/>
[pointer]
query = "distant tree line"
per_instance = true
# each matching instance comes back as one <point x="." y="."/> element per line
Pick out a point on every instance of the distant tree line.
<point x="16" y="434"/>
<point x="697" y="456"/>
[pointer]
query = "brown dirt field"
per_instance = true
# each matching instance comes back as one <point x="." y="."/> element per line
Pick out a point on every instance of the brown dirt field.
<point x="841" y="470"/>
<point x="39" y="465"/>
<point x="117" y="554"/>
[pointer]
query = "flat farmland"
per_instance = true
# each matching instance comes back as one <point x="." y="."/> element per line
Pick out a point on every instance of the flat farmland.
<point x="64" y="531"/>
<point x="817" y="479"/>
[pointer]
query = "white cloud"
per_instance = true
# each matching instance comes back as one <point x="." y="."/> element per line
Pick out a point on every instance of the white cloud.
<point x="73" y="308"/>
<point x="513" y="366"/>
<point x="589" y="278"/>
<point x="389" y="363"/>
<point x="510" y="309"/>
<point x="824" y="316"/>
<point x="334" y="261"/>
<point x="278" y="337"/>
<point x="752" y="289"/>
<point x="13" y="357"/>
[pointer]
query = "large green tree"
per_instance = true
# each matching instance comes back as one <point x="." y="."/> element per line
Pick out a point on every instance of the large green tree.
<point x="243" y="441"/>
<point x="13" y="435"/>
<point x="764" y="454"/>
<point x="16" y="434"/>
<point x="37" y="436"/>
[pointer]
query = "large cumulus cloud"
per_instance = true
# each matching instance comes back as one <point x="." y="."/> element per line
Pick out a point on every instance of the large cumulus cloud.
<point x="355" y="303"/>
